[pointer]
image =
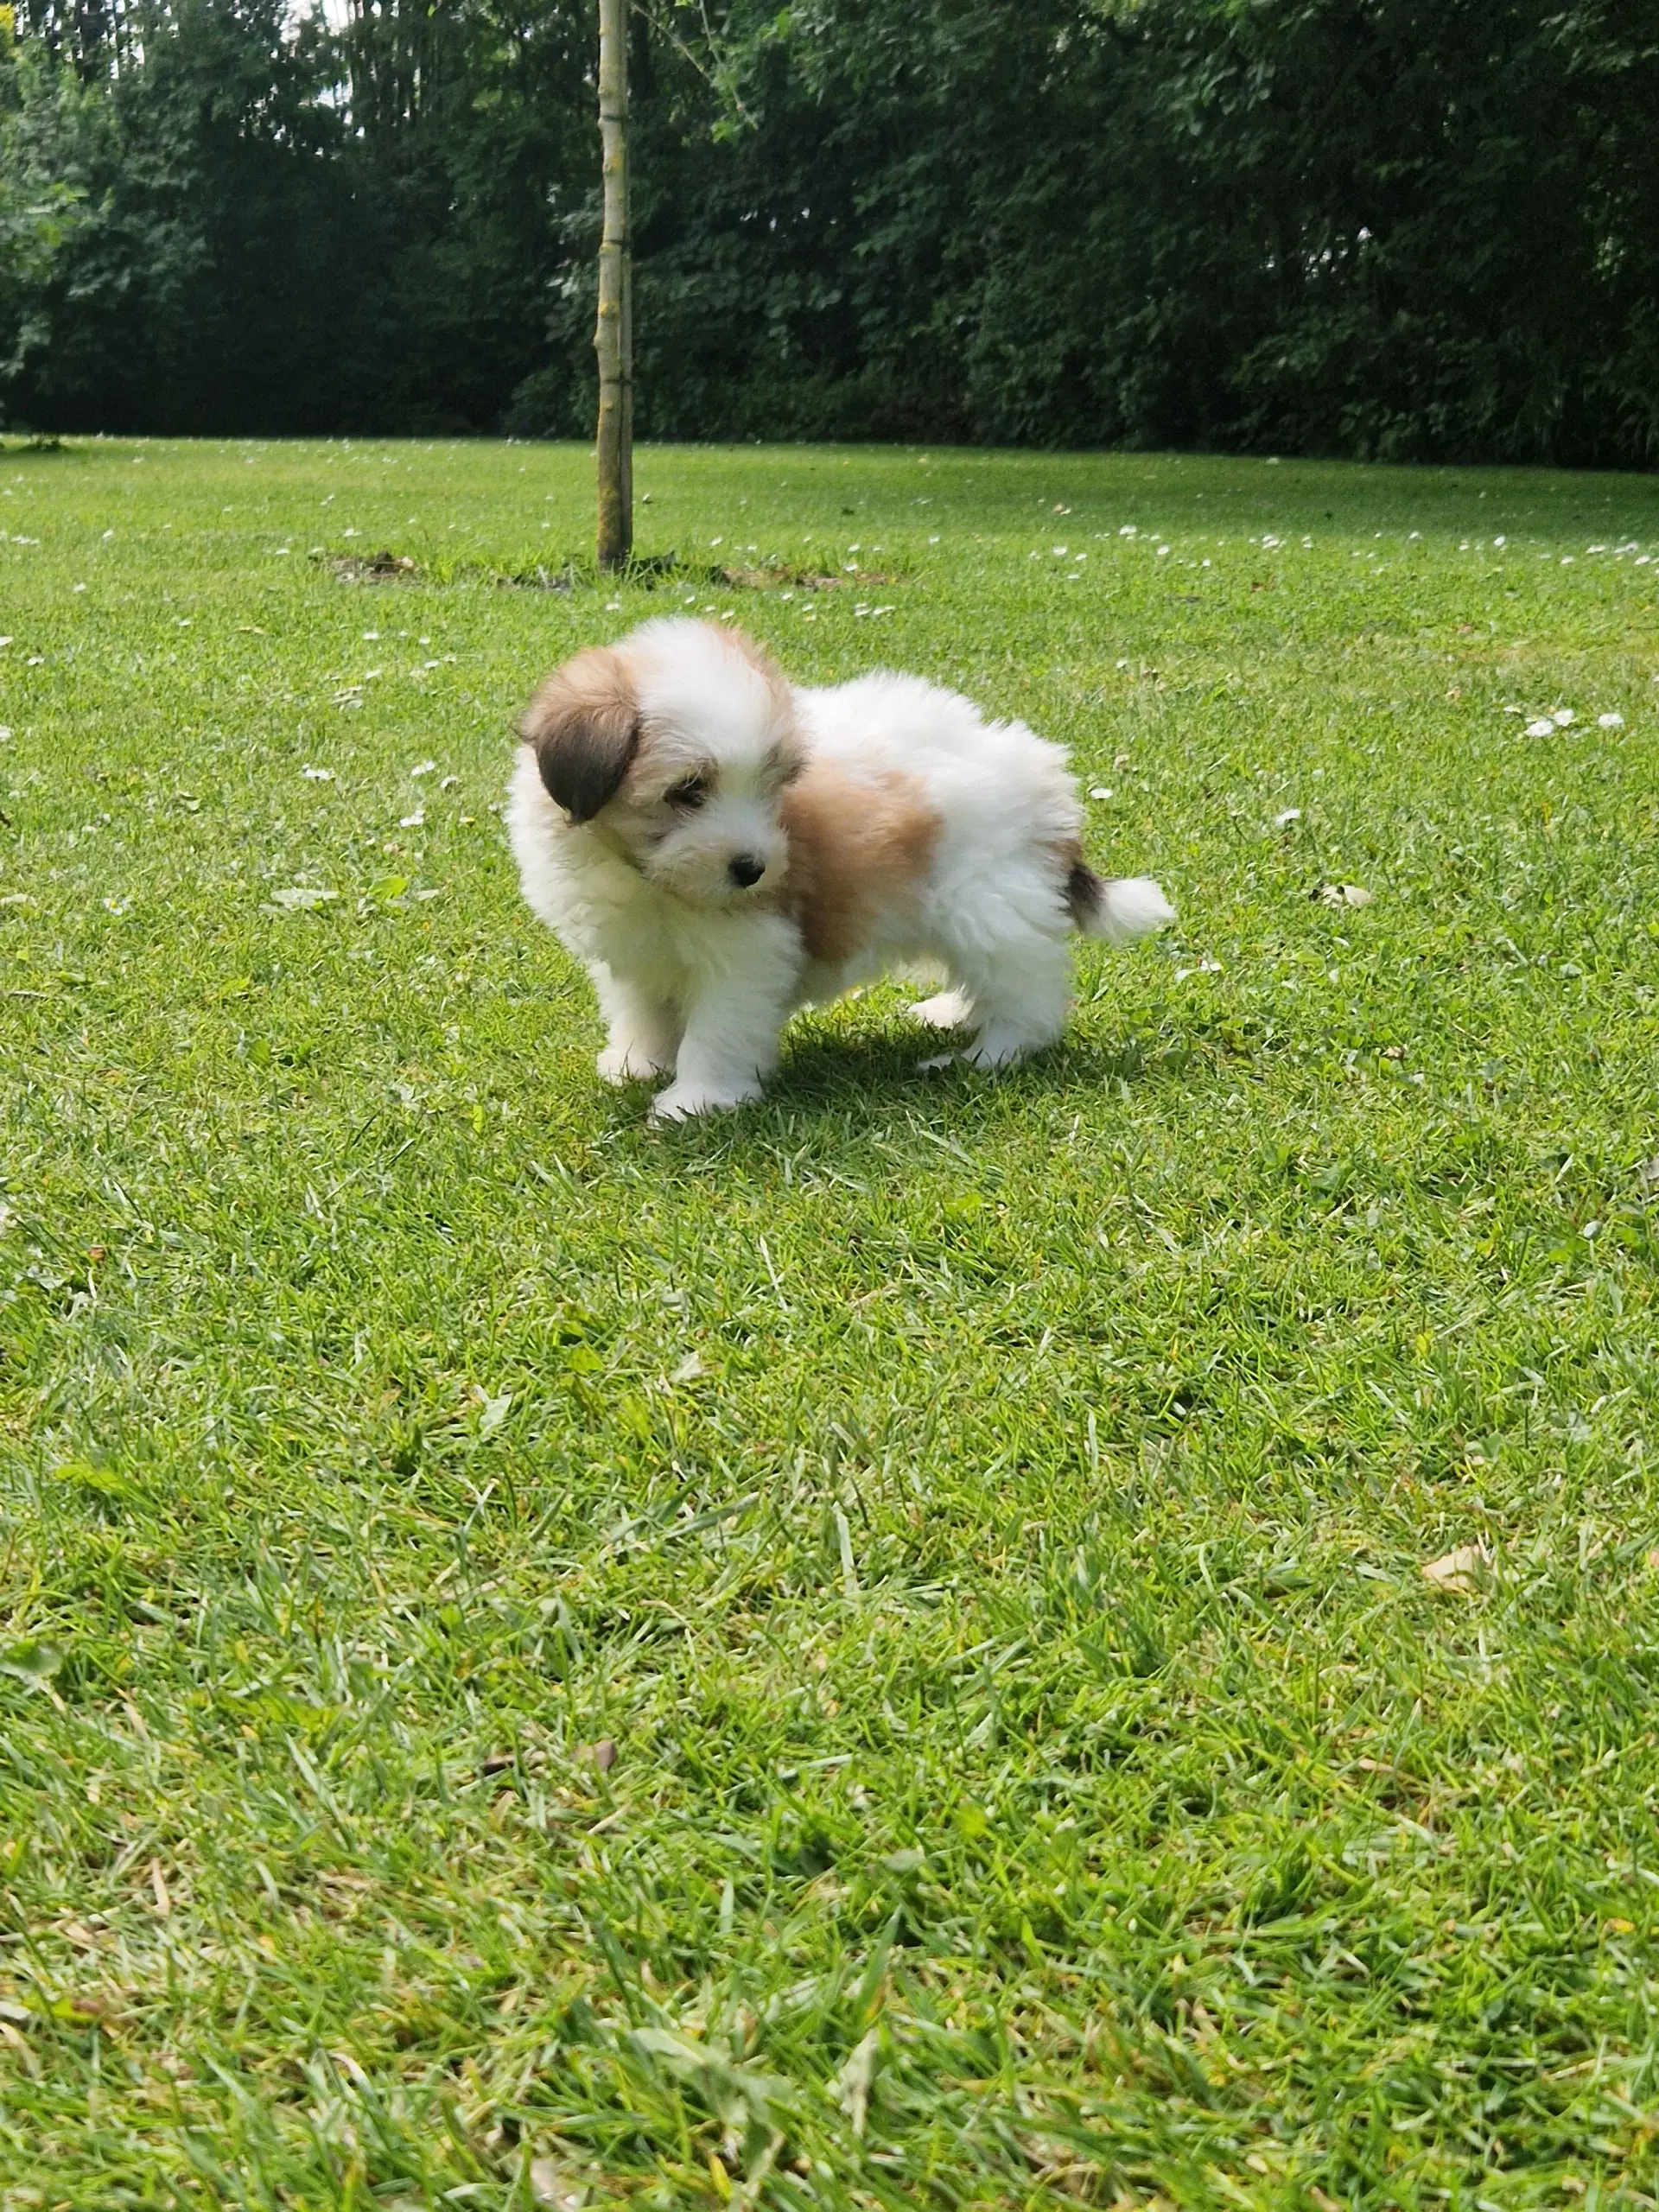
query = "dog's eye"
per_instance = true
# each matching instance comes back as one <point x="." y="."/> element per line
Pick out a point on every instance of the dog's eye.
<point x="691" y="793"/>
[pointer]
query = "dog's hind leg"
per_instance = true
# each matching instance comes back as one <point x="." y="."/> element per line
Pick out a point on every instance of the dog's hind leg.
<point x="643" y="1033"/>
<point x="1021" y="990"/>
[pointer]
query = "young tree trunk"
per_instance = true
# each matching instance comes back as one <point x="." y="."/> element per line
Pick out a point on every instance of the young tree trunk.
<point x="613" y="339"/>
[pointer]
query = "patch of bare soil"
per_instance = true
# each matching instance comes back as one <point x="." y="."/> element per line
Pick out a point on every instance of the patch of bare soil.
<point x="536" y="578"/>
<point x="768" y="579"/>
<point x="382" y="568"/>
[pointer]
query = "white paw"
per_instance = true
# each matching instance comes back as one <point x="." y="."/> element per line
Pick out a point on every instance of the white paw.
<point x="949" y="1010"/>
<point x="935" y="1060"/>
<point x="1000" y="1048"/>
<point x="627" y="1064"/>
<point x="680" y="1102"/>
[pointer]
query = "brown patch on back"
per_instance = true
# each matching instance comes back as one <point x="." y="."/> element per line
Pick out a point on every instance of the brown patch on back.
<point x="584" y="726"/>
<point x="856" y="848"/>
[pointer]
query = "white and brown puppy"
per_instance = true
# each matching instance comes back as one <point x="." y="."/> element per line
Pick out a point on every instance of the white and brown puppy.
<point x="719" y="847"/>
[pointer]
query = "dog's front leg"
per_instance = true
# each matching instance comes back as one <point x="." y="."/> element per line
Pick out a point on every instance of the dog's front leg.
<point x="642" y="1034"/>
<point x="732" y="1027"/>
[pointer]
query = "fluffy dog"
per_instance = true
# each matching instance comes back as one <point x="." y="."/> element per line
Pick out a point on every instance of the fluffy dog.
<point x="718" y="847"/>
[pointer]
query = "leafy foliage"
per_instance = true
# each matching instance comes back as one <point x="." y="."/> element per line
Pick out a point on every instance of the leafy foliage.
<point x="1389" y="228"/>
<point x="1392" y="227"/>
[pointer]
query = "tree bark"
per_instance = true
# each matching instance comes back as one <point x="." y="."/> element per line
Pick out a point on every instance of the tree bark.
<point x="613" y="338"/>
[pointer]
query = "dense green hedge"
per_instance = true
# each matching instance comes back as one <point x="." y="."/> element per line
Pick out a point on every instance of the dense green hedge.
<point x="1382" y="227"/>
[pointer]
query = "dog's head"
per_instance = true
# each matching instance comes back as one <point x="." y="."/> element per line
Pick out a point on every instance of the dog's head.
<point x="677" y="746"/>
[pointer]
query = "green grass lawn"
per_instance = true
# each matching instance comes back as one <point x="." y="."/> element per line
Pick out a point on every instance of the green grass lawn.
<point x="874" y="1651"/>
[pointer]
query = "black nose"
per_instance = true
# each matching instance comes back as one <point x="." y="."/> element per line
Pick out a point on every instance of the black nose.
<point x="744" y="869"/>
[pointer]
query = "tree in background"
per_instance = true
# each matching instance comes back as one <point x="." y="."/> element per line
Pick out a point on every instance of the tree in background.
<point x="613" y="332"/>
<point x="36" y="211"/>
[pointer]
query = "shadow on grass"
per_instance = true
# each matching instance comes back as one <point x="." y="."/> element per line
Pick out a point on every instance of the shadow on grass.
<point x="849" y="1087"/>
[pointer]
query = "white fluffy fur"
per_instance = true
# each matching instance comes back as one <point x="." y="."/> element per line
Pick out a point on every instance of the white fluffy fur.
<point x="697" y="976"/>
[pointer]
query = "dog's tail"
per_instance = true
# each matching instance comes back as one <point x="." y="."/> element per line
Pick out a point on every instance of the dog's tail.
<point x="1118" y="908"/>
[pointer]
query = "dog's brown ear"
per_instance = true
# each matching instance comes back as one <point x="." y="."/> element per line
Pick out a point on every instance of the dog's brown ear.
<point x="584" y="726"/>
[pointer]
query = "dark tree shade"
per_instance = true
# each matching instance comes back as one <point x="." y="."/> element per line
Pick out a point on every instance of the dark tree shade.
<point x="1388" y="227"/>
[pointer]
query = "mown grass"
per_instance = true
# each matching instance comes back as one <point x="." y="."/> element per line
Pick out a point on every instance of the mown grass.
<point x="986" y="1519"/>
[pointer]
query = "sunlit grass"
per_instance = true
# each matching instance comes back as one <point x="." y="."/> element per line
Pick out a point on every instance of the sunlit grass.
<point x="874" y="1651"/>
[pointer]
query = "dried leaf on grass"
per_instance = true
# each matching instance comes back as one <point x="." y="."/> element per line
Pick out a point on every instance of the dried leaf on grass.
<point x="493" y="1411"/>
<point x="552" y="2183"/>
<point x="1464" y="1568"/>
<point x="740" y="2096"/>
<point x="853" y="2084"/>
